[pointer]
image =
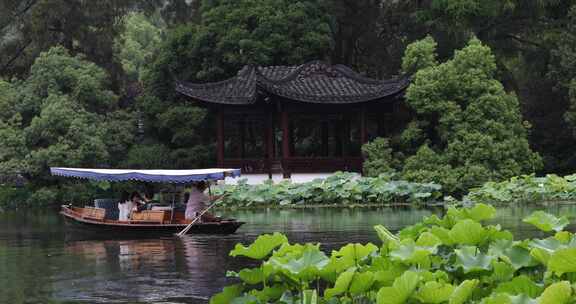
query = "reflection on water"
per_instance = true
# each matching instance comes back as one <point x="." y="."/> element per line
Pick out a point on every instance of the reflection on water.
<point x="39" y="265"/>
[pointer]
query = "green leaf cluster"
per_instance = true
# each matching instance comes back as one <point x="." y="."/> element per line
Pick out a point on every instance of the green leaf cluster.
<point x="455" y="259"/>
<point x="340" y="188"/>
<point x="467" y="129"/>
<point x="526" y="189"/>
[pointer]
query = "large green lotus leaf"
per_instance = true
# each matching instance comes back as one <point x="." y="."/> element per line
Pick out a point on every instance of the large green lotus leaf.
<point x="308" y="266"/>
<point x="400" y="291"/>
<point x="520" y="285"/>
<point x="288" y="249"/>
<point x="261" y="247"/>
<point x="434" y="292"/>
<point x="468" y="232"/>
<point x="479" y="212"/>
<point x="546" y="221"/>
<point x="384" y="234"/>
<point x="269" y="293"/>
<point x="427" y="239"/>
<point x="504" y="298"/>
<point x="443" y="234"/>
<point x="514" y="255"/>
<point x="502" y="272"/>
<point x="386" y="271"/>
<point x="342" y="284"/>
<point x="540" y="255"/>
<point x="563" y="236"/>
<point x="557" y="293"/>
<point x="251" y="276"/>
<point x="246" y="299"/>
<point x="227" y="295"/>
<point x="462" y="293"/>
<point x="362" y="282"/>
<point x="563" y="261"/>
<point x="409" y="253"/>
<point x="549" y="244"/>
<point x="351" y="255"/>
<point x="472" y="260"/>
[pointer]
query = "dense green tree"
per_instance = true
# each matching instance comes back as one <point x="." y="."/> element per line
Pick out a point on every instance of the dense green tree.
<point x="474" y="130"/>
<point x="136" y="45"/>
<point x="63" y="113"/>
<point x="235" y="33"/>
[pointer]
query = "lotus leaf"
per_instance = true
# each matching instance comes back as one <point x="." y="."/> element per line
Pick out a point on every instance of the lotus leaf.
<point x="461" y="293"/>
<point x="351" y="255"/>
<point x="502" y="272"/>
<point x="471" y="259"/>
<point x="227" y="295"/>
<point x="468" y="232"/>
<point x="521" y="285"/>
<point x="409" y="253"/>
<point x="246" y="299"/>
<point x="384" y="234"/>
<point x="269" y="293"/>
<point x="514" y="255"/>
<point x="479" y="212"/>
<point x="251" y="276"/>
<point x="563" y="236"/>
<point x="563" y="261"/>
<point x="427" y="239"/>
<point x="443" y="234"/>
<point x="557" y="293"/>
<point x="362" y="282"/>
<point x="261" y="247"/>
<point x="547" y="222"/>
<point x="310" y="297"/>
<point x="434" y="292"/>
<point x="402" y="288"/>
<point x="342" y="284"/>
<point x="306" y="267"/>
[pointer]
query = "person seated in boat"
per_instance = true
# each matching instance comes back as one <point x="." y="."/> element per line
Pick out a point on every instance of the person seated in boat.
<point x="196" y="203"/>
<point x="137" y="203"/>
<point x="124" y="206"/>
<point x="149" y="200"/>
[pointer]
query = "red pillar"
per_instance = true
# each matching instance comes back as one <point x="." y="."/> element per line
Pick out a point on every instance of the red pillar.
<point x="220" y="138"/>
<point x="270" y="142"/>
<point x="285" y="144"/>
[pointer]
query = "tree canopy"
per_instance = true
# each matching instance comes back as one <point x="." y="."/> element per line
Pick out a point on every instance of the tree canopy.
<point x="467" y="129"/>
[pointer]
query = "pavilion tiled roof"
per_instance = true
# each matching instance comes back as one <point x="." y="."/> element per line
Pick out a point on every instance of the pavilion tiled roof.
<point x="314" y="82"/>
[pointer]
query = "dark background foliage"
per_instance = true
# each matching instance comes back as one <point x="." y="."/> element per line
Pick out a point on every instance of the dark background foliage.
<point x="90" y="83"/>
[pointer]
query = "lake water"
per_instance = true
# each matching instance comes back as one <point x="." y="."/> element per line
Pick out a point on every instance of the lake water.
<point x="40" y="263"/>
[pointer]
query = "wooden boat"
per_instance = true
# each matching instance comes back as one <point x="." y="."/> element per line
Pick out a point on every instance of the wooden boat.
<point x="146" y="223"/>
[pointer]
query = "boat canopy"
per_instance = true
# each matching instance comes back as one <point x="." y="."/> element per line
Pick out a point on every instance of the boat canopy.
<point x="158" y="176"/>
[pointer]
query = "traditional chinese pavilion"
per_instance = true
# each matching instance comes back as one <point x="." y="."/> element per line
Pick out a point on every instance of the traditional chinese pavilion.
<point x="308" y="118"/>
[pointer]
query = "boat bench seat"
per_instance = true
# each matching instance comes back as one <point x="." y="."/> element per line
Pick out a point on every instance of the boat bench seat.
<point x="93" y="213"/>
<point x="150" y="216"/>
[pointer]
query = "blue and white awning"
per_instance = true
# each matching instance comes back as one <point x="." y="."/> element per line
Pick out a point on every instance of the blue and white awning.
<point x="158" y="176"/>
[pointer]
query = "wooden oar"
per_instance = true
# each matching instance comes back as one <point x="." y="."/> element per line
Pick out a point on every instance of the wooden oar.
<point x="185" y="230"/>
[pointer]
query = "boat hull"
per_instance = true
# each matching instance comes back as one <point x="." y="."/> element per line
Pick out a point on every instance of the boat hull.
<point x="115" y="229"/>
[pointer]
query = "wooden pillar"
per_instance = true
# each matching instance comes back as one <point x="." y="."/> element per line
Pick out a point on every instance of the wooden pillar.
<point x="285" y="143"/>
<point x="363" y="131"/>
<point x="270" y="142"/>
<point x="220" y="138"/>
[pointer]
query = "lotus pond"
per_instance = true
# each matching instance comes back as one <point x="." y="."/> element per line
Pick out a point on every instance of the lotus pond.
<point x="40" y="264"/>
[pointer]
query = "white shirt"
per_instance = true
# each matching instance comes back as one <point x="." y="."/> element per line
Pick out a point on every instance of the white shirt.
<point x="195" y="203"/>
<point x="124" y="210"/>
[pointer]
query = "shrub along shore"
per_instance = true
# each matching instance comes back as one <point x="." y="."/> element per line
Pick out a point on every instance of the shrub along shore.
<point x="339" y="190"/>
